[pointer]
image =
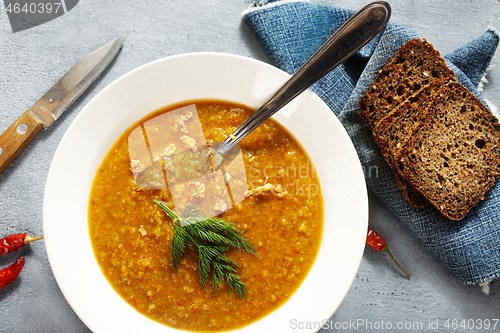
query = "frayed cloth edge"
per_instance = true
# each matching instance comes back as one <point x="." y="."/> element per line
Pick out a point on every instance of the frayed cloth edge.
<point x="485" y="286"/>
<point x="494" y="30"/>
<point x="484" y="80"/>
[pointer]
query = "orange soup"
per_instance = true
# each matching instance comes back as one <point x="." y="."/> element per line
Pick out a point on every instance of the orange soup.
<point x="281" y="214"/>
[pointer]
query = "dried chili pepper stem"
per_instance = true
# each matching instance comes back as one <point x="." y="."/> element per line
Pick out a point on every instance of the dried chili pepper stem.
<point x="15" y="242"/>
<point x="9" y="274"/>
<point x="376" y="242"/>
<point x="30" y="239"/>
<point x="386" y="250"/>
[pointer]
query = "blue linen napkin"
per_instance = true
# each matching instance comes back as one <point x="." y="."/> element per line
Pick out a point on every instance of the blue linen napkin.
<point x="291" y="31"/>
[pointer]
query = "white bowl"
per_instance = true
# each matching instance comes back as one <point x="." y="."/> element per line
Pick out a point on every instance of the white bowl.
<point x="197" y="76"/>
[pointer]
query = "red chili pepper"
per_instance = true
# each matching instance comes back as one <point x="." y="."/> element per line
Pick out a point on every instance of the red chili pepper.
<point x="15" y="242"/>
<point x="376" y="242"/>
<point x="9" y="274"/>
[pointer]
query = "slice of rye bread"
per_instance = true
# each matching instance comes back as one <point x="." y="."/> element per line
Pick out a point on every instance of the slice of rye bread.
<point x="453" y="157"/>
<point x="396" y="128"/>
<point x="416" y="64"/>
<point x="392" y="132"/>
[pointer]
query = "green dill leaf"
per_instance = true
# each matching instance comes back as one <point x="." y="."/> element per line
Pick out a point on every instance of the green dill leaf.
<point x="217" y="276"/>
<point x="178" y="245"/>
<point x="234" y="282"/>
<point x="204" y="234"/>
<point x="204" y="262"/>
<point x="212" y="237"/>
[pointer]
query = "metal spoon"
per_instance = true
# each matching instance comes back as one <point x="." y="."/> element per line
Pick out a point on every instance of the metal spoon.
<point x="352" y="35"/>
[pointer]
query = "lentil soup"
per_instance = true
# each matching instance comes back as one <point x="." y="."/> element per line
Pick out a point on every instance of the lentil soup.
<point x="281" y="215"/>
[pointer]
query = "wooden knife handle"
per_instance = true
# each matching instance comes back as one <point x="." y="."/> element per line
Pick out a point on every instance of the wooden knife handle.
<point x="17" y="137"/>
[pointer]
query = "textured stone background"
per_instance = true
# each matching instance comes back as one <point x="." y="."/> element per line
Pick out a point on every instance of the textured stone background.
<point x="31" y="61"/>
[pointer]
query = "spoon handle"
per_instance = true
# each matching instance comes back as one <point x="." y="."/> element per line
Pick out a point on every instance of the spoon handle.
<point x="352" y="35"/>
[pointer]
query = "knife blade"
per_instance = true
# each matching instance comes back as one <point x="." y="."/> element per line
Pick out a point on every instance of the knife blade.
<point x="55" y="101"/>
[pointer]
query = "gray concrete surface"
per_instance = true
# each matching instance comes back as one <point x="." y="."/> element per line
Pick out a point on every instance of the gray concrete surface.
<point x="32" y="60"/>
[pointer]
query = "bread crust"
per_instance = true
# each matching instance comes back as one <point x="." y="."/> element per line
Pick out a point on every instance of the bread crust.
<point x="416" y="65"/>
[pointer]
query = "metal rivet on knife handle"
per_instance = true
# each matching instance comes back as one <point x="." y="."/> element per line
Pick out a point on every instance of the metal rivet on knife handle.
<point x="22" y="129"/>
<point x="15" y="139"/>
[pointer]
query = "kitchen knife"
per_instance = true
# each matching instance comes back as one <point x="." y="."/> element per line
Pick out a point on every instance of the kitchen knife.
<point x="55" y="101"/>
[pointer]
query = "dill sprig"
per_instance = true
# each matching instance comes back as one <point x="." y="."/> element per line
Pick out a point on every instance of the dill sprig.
<point x="212" y="237"/>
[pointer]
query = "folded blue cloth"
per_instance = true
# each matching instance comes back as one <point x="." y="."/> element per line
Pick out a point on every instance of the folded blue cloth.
<point x="291" y="31"/>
